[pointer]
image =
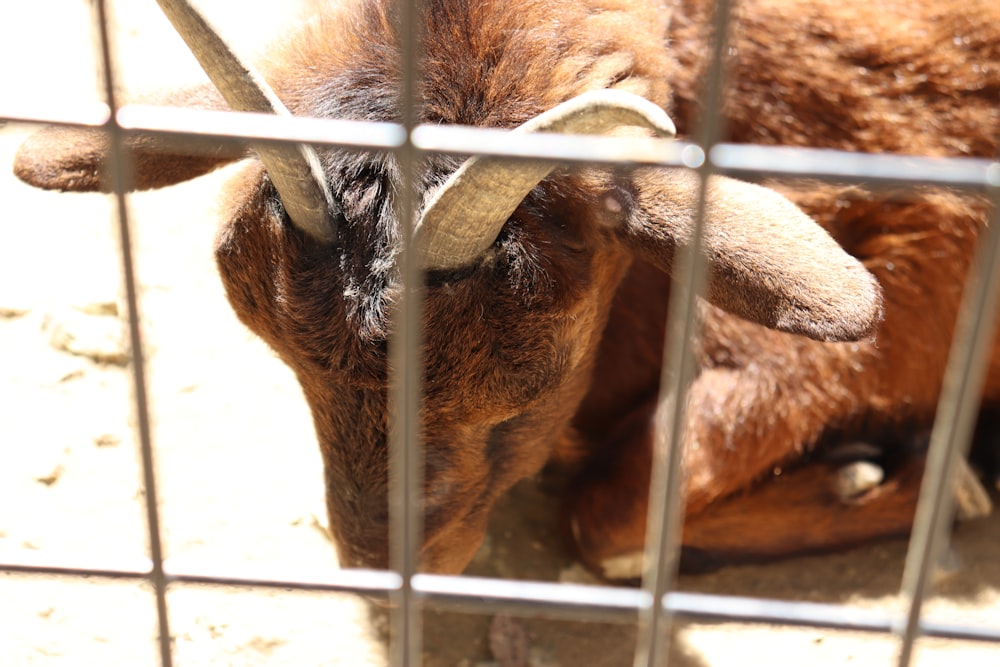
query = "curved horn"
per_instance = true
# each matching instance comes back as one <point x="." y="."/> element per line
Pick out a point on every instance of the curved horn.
<point x="464" y="217"/>
<point x="294" y="170"/>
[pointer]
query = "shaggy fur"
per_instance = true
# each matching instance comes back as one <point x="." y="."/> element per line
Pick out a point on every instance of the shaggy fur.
<point x="549" y="350"/>
<point x="923" y="78"/>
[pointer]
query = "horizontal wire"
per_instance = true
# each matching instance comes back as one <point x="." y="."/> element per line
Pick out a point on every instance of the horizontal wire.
<point x="579" y="601"/>
<point x="123" y="571"/>
<point x="830" y="164"/>
<point x="551" y="147"/>
<point x="261" y="127"/>
<point x="734" y="159"/>
<point x="357" y="581"/>
<point x="584" y="602"/>
<point x="88" y="114"/>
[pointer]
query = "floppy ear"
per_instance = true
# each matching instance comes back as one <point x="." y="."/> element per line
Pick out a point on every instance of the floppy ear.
<point x="64" y="158"/>
<point x="770" y="263"/>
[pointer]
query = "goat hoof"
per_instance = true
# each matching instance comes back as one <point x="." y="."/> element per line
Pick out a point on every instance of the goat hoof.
<point x="625" y="567"/>
<point x="947" y="567"/>
<point x="972" y="501"/>
<point x="856" y="478"/>
<point x="630" y="567"/>
<point x="608" y="561"/>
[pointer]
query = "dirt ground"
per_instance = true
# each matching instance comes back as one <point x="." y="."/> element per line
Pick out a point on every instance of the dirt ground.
<point x="239" y="475"/>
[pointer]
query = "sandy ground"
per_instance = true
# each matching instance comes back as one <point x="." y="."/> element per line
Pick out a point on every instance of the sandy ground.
<point x="239" y="476"/>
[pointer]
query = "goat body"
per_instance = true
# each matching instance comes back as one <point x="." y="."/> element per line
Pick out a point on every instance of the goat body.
<point x="547" y="350"/>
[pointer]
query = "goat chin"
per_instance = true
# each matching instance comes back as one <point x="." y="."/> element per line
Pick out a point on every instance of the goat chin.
<point x="829" y="311"/>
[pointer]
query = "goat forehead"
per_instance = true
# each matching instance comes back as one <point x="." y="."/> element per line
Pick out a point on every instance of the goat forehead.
<point x="488" y="63"/>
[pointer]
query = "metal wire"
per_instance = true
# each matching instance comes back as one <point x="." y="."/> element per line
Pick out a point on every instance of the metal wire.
<point x="655" y="603"/>
<point x="956" y="416"/>
<point x="406" y="460"/>
<point x="579" y="602"/>
<point x="120" y="175"/>
<point x="666" y="505"/>
<point x="747" y="160"/>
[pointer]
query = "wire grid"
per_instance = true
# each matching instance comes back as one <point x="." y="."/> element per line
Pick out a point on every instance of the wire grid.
<point x="655" y="603"/>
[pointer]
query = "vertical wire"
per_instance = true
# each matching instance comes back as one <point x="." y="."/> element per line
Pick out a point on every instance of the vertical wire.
<point x="961" y="394"/>
<point x="666" y="506"/>
<point x="119" y="171"/>
<point x="407" y="363"/>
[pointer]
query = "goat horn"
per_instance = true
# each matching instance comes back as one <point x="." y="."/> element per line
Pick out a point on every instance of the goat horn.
<point x="294" y="170"/>
<point x="465" y="216"/>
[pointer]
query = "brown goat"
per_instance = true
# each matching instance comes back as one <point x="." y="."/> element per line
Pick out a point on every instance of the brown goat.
<point x="546" y="346"/>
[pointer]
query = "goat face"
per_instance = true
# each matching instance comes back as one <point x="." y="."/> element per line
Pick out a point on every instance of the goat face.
<point x="507" y="347"/>
<point x="510" y="334"/>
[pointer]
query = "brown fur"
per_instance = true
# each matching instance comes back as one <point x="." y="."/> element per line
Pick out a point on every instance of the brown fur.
<point x="851" y="76"/>
<point x="549" y="350"/>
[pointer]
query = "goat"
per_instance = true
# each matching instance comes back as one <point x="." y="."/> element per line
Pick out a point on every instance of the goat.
<point x="547" y="290"/>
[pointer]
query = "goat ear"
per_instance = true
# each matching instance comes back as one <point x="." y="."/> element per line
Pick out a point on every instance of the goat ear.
<point x="770" y="263"/>
<point x="75" y="159"/>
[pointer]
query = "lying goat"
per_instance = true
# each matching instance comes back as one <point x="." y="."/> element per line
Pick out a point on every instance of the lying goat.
<point x="547" y="289"/>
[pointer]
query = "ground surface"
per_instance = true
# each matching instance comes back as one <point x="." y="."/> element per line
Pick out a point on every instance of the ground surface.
<point x="239" y="475"/>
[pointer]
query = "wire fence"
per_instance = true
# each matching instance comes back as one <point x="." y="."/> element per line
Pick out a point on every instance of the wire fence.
<point x="657" y="603"/>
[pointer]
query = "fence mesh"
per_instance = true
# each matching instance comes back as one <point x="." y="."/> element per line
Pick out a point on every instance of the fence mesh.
<point x="658" y="602"/>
